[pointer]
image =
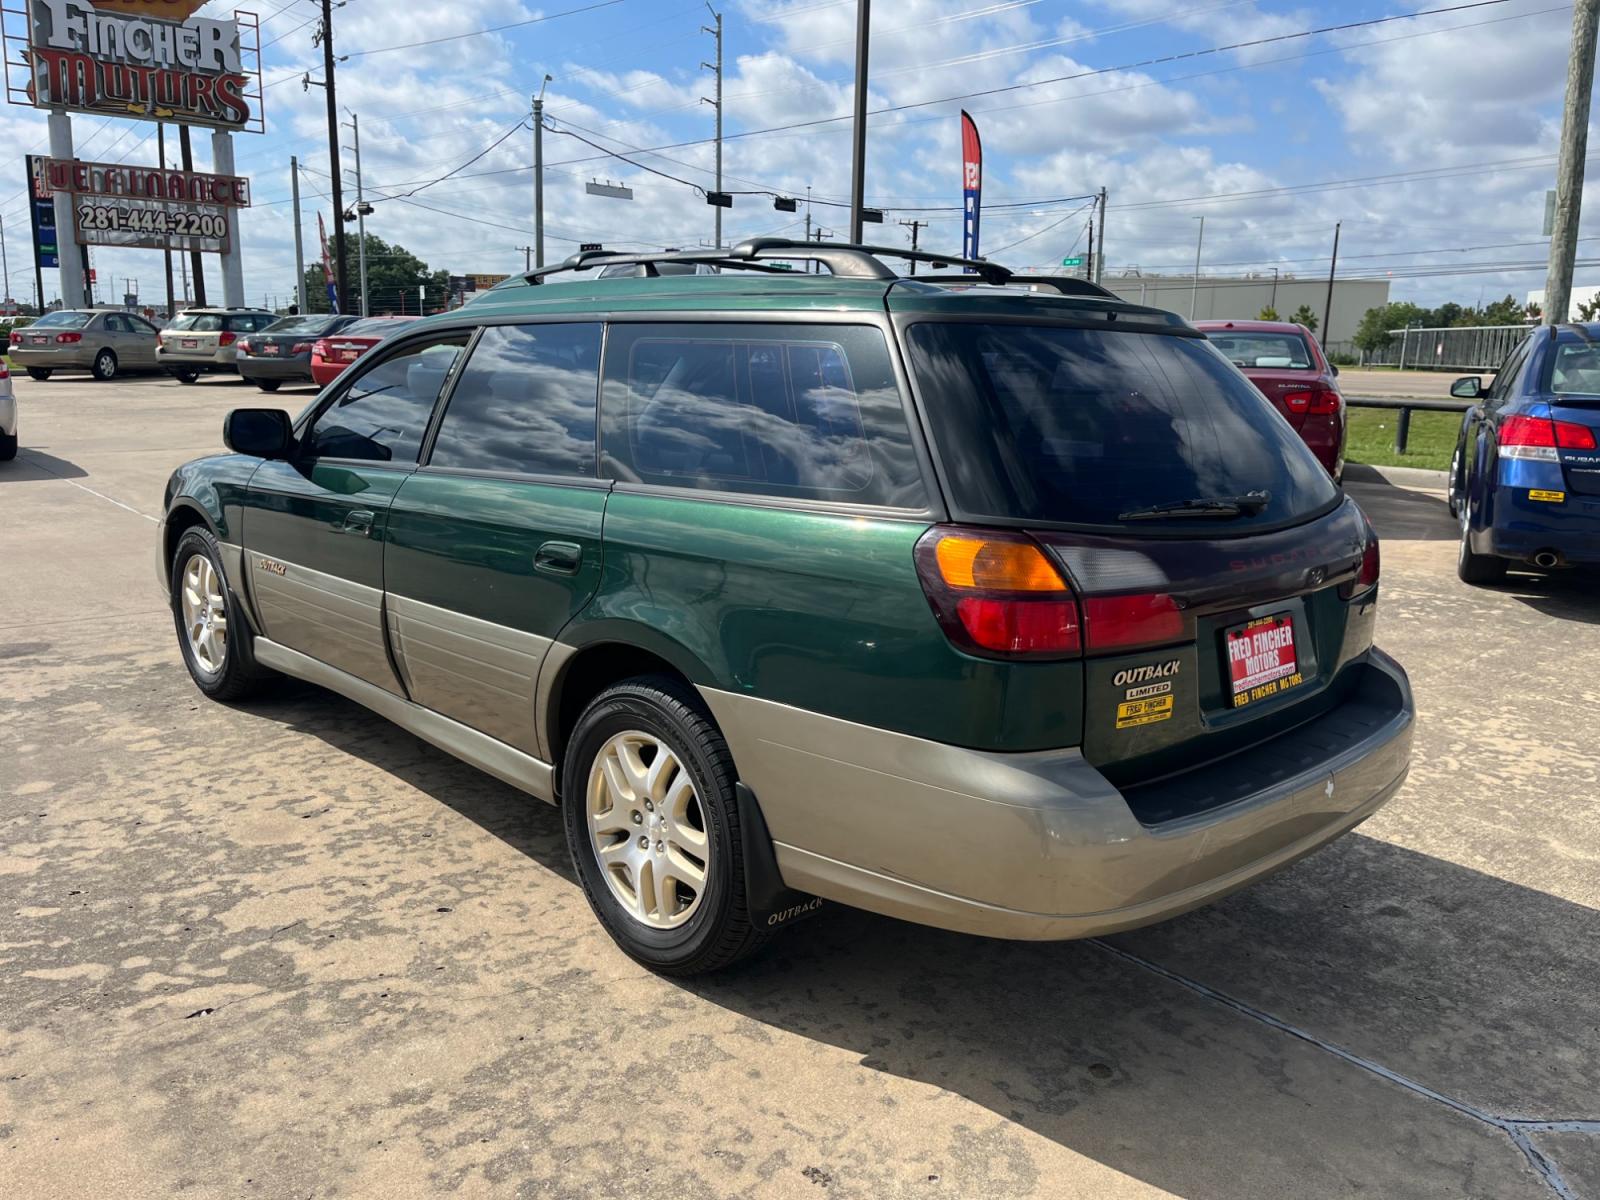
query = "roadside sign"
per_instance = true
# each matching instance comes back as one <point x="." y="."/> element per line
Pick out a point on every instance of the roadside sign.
<point x="1075" y="260"/>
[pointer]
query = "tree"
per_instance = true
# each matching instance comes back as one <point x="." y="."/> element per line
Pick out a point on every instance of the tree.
<point x="393" y="276"/>
<point x="1533" y="311"/>
<point x="1304" y="316"/>
<point x="1268" y="313"/>
<point x="1373" y="332"/>
<point x="1504" y="312"/>
<point x="1589" y="310"/>
<point x="1444" y="316"/>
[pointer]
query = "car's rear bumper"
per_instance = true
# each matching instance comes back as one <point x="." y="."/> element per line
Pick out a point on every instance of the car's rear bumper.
<point x="252" y="367"/>
<point x="1523" y="527"/>
<point x="1041" y="845"/>
<point x="65" y="358"/>
<point x="177" y="360"/>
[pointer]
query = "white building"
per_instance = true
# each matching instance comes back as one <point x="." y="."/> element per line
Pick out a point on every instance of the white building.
<point x="1241" y="298"/>
<point x="1580" y="295"/>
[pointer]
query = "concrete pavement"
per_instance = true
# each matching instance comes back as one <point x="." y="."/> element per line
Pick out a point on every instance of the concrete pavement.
<point x="284" y="949"/>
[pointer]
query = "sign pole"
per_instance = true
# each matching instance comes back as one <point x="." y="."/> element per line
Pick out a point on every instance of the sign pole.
<point x="5" y="265"/>
<point x="858" y="140"/>
<point x="233" y="256"/>
<point x="67" y="256"/>
<point x="161" y="152"/>
<point x="38" y="258"/>
<point x="196" y="266"/>
<point x="299" y="247"/>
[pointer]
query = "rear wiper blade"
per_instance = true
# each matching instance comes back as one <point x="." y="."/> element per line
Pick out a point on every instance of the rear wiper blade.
<point x="1216" y="506"/>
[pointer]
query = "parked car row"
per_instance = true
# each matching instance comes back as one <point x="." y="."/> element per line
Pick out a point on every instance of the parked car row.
<point x="260" y="346"/>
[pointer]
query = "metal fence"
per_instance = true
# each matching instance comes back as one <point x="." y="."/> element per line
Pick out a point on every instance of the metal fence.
<point x="1471" y="348"/>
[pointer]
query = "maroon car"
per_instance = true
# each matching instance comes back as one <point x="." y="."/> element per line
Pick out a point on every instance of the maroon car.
<point x="1287" y="366"/>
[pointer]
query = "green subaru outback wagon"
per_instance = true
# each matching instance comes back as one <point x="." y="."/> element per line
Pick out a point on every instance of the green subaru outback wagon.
<point x="988" y="602"/>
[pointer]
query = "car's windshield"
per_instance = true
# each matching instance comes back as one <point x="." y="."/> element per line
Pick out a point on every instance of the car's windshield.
<point x="1082" y="426"/>
<point x="198" y="322"/>
<point x="310" y="326"/>
<point x="1247" y="350"/>
<point x="63" y="320"/>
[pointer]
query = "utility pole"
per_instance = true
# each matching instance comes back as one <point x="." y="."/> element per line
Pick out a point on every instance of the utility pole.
<point x="299" y="244"/>
<point x="716" y="237"/>
<point x="361" y="213"/>
<point x="538" y="175"/>
<point x="196" y="264"/>
<point x="916" y="227"/>
<point x="161" y="152"/>
<point x="1273" y="303"/>
<point x="527" y="256"/>
<point x="5" y="263"/>
<point x="1194" y="294"/>
<point x="1569" y="172"/>
<point x="1088" y="266"/>
<point x="1100" y="257"/>
<point x="1333" y="265"/>
<point x="335" y="172"/>
<point x="858" y="140"/>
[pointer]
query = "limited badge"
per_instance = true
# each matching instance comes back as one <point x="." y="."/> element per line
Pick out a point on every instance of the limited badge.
<point x="1547" y="497"/>
<point x="1132" y="713"/>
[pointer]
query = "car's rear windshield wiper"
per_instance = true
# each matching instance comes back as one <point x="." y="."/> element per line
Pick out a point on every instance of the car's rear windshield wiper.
<point x="1216" y="506"/>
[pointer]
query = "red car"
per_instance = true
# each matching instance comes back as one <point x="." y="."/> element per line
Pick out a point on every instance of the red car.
<point x="332" y="354"/>
<point x="1287" y="366"/>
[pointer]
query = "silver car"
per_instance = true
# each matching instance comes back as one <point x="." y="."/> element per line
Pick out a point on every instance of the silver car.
<point x="201" y="340"/>
<point x="103" y="342"/>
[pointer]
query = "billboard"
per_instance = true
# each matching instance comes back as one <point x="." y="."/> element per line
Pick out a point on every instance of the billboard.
<point x="117" y="204"/>
<point x="117" y="59"/>
<point x="971" y="185"/>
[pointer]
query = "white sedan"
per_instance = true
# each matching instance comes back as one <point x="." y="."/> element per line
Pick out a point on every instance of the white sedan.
<point x="8" y="416"/>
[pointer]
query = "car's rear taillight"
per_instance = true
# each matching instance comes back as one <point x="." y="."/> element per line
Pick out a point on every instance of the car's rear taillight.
<point x="319" y="348"/>
<point x="67" y="339"/>
<point x="1371" y="560"/>
<point x="227" y="339"/>
<point x="244" y="344"/>
<point x="1127" y="622"/>
<point x="301" y="348"/>
<point x="1313" y="401"/>
<point x="1542" y="439"/>
<point x="997" y="594"/>
<point x="16" y="338"/>
<point x="5" y="371"/>
<point x="161" y="339"/>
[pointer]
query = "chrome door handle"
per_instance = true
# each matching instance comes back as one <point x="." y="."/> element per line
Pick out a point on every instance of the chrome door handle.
<point x="359" y="522"/>
<point x="561" y="558"/>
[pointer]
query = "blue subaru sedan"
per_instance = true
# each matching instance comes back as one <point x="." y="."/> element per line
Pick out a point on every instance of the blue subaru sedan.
<point x="1525" y="480"/>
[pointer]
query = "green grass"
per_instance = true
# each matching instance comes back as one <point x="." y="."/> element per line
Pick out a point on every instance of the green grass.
<point x="1370" y="438"/>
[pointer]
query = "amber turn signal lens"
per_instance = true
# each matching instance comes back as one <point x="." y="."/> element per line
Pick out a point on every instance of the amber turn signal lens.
<point x="995" y="566"/>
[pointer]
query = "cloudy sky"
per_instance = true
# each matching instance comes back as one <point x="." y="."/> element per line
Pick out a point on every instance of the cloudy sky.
<point x="1432" y="138"/>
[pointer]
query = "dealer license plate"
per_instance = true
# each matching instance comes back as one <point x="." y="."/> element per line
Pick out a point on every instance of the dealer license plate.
<point x="40" y="341"/>
<point x="1261" y="658"/>
<point x="270" y="348"/>
<point x="190" y="343"/>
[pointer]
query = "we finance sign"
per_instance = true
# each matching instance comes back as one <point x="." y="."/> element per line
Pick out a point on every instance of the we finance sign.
<point x="115" y="62"/>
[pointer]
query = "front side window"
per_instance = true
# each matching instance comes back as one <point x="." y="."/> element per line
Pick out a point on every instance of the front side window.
<point x="525" y="403"/>
<point x="382" y="415"/>
<point x="809" y="412"/>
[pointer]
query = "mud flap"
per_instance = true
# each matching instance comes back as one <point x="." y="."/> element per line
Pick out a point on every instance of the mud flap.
<point x="772" y="902"/>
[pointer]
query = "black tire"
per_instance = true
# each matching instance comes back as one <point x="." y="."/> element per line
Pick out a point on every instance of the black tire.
<point x="719" y="932"/>
<point x="39" y="373"/>
<point x="104" y="367"/>
<point x="1473" y="567"/>
<point x="8" y="446"/>
<point x="1452" y="495"/>
<point x="185" y="376"/>
<point x="240" y="675"/>
<point x="268" y="385"/>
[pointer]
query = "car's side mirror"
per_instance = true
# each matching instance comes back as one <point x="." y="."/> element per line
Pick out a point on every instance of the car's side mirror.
<point x="260" y="432"/>
<point x="1468" y="387"/>
<point x="1334" y="367"/>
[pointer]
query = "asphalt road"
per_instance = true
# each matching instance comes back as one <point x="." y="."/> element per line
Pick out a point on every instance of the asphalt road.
<point x="284" y="950"/>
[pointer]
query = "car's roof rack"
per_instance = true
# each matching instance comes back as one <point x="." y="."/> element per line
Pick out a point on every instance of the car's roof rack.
<point x="843" y="259"/>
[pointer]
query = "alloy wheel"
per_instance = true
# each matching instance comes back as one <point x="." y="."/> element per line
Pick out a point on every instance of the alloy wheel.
<point x="647" y="829"/>
<point x="205" y="617"/>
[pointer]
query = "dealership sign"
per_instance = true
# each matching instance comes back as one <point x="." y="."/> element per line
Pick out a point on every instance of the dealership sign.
<point x="113" y="62"/>
<point x="115" y="204"/>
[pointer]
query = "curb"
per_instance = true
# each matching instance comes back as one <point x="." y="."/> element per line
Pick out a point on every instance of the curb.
<point x="1399" y="476"/>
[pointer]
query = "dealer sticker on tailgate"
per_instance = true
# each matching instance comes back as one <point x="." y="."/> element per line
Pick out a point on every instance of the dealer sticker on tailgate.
<point x="1261" y="658"/>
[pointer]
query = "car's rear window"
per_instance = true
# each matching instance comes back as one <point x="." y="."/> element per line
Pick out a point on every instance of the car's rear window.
<point x="62" y="320"/>
<point x="376" y="327"/>
<point x="1574" y="369"/>
<point x="314" y="326"/>
<point x="1075" y="426"/>
<point x="1249" y="351"/>
<point x="198" y="322"/>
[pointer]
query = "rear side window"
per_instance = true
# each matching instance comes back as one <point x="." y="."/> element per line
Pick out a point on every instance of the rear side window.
<point x="809" y="412"/>
<point x="383" y="414"/>
<point x="525" y="402"/>
<point x="1084" y="426"/>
